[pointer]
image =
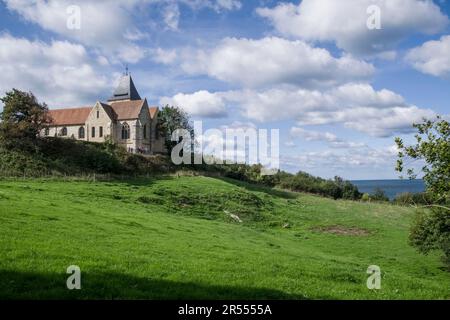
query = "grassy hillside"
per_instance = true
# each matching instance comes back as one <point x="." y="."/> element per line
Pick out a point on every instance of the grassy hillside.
<point x="176" y="238"/>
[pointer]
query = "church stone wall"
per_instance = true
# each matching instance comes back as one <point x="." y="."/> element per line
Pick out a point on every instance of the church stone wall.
<point x="72" y="132"/>
<point x="98" y="118"/>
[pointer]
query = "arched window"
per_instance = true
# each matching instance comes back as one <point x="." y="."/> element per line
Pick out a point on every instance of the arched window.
<point x="64" y="132"/>
<point x="145" y="131"/>
<point x="81" y="133"/>
<point x="125" y="131"/>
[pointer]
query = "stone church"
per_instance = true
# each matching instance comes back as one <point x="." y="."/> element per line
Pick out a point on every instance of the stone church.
<point x="126" y="118"/>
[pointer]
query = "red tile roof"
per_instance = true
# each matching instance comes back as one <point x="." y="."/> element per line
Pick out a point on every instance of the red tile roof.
<point x="126" y="110"/>
<point x="74" y="116"/>
<point x="153" y="111"/>
<point x="121" y="110"/>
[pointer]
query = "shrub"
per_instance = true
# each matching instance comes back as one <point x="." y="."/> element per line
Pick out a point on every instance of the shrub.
<point x="379" y="195"/>
<point x="431" y="231"/>
<point x="409" y="198"/>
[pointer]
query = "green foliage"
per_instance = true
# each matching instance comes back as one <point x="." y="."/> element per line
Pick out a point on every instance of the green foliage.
<point x="379" y="195"/>
<point x="413" y="199"/>
<point x="21" y="120"/>
<point x="304" y="182"/>
<point x="78" y="156"/>
<point x="365" y="197"/>
<point x="433" y="147"/>
<point x="431" y="231"/>
<point x="171" y="119"/>
<point x="58" y="156"/>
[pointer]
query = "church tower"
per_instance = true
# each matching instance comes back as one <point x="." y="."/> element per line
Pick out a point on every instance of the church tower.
<point x="125" y="91"/>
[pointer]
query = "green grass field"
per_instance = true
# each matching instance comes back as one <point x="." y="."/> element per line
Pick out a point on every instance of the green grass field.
<point x="174" y="238"/>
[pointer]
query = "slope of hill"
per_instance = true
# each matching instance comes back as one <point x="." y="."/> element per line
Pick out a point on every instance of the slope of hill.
<point x="198" y="237"/>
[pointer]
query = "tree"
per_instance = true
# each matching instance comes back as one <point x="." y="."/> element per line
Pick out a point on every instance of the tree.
<point x="433" y="147"/>
<point x="431" y="230"/>
<point x="22" y="119"/>
<point x="171" y="119"/>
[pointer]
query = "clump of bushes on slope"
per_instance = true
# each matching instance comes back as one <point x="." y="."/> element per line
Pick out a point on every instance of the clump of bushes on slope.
<point x="57" y="156"/>
<point x="300" y="182"/>
<point x="379" y="196"/>
<point x="414" y="199"/>
<point x="337" y="188"/>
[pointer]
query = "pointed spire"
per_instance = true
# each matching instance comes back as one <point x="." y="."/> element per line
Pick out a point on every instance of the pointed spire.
<point x="125" y="90"/>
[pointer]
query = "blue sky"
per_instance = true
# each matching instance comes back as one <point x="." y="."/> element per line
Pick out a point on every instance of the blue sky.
<point x="338" y="91"/>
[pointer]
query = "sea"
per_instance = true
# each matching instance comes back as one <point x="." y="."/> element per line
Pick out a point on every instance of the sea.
<point x="390" y="187"/>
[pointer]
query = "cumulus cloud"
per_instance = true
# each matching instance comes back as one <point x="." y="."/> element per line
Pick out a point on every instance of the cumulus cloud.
<point x="357" y="106"/>
<point x="107" y="24"/>
<point x="297" y="103"/>
<point x="363" y="158"/>
<point x="345" y="22"/>
<point x="59" y="73"/>
<point x="331" y="139"/>
<point x="433" y="57"/>
<point x="267" y="61"/>
<point x="373" y="121"/>
<point x="164" y="56"/>
<point x="104" y="21"/>
<point x="201" y="103"/>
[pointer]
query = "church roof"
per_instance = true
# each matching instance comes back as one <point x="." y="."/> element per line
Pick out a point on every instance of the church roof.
<point x="126" y="90"/>
<point x="153" y="111"/>
<point x="126" y="110"/>
<point x="72" y="116"/>
<point x="125" y="104"/>
<point x="120" y="110"/>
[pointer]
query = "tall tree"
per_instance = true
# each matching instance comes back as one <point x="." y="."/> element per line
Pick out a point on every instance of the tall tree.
<point x="22" y="119"/>
<point x="431" y="230"/>
<point x="171" y="119"/>
<point x="433" y="147"/>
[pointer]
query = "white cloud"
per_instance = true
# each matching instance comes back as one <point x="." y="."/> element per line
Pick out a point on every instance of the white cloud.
<point x="267" y="61"/>
<point x="221" y="142"/>
<point x="311" y="106"/>
<point x="343" y="160"/>
<point x="171" y="16"/>
<point x="379" y="113"/>
<point x="331" y="139"/>
<point x="217" y="5"/>
<point x="433" y="57"/>
<point x="59" y="73"/>
<point x="345" y="22"/>
<point x="164" y="56"/>
<point x="201" y="103"/>
<point x="108" y="24"/>
<point x="228" y="4"/>
<point x="309" y="135"/>
<point x="104" y="21"/>
<point x="131" y="53"/>
<point x="373" y="121"/>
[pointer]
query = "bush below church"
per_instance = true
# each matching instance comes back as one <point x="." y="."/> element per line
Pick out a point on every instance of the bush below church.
<point x="56" y="156"/>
